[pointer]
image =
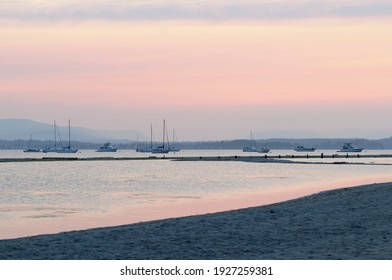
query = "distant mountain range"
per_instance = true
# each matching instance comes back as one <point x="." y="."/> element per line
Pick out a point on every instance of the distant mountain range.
<point x="13" y="129"/>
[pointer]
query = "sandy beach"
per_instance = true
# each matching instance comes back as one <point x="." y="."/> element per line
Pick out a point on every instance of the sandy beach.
<point x="349" y="223"/>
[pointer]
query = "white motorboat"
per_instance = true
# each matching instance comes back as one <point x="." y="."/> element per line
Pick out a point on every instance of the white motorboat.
<point x="304" y="149"/>
<point x="107" y="147"/>
<point x="263" y="150"/>
<point x="349" y="148"/>
<point x="250" y="148"/>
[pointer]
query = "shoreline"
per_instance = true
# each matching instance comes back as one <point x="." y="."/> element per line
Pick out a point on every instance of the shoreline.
<point x="346" y="223"/>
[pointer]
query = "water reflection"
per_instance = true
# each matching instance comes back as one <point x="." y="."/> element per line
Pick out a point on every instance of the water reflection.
<point x="48" y="197"/>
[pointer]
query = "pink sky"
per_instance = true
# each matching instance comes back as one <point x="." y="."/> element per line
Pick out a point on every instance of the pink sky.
<point x="211" y="80"/>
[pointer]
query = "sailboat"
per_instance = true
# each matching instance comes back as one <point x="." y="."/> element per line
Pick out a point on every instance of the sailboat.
<point x="162" y="149"/>
<point x="174" y="147"/>
<point x="252" y="146"/>
<point x="145" y="149"/>
<point x="29" y="149"/>
<point x="62" y="149"/>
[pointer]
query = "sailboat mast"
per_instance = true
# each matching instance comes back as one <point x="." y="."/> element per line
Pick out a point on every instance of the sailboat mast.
<point x="164" y="128"/>
<point x="55" y="134"/>
<point x="167" y="139"/>
<point x="69" y="133"/>
<point x="253" y="142"/>
<point x="151" y="136"/>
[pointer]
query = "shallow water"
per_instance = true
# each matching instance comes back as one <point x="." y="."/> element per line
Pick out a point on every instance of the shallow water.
<point x="48" y="197"/>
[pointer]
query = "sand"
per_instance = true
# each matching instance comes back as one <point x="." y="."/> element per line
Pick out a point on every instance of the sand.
<point x="350" y="223"/>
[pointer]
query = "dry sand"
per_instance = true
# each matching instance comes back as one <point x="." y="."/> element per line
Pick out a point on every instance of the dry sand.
<point x="349" y="223"/>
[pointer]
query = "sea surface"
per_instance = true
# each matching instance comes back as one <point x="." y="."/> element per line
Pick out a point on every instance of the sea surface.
<point x="51" y="197"/>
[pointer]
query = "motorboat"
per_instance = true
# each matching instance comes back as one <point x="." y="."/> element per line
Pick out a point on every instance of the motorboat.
<point x="349" y="148"/>
<point x="263" y="150"/>
<point x="107" y="147"/>
<point x="250" y="148"/>
<point x="304" y="149"/>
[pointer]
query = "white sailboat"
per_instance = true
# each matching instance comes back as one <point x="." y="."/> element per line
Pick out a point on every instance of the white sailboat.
<point x="30" y="149"/>
<point x="174" y="147"/>
<point x="164" y="149"/>
<point x="145" y="149"/>
<point x="62" y="149"/>
<point x="252" y="146"/>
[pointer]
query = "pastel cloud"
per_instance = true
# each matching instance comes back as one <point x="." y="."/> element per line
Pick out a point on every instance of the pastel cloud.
<point x="176" y="59"/>
<point x="198" y="64"/>
<point x="189" y="9"/>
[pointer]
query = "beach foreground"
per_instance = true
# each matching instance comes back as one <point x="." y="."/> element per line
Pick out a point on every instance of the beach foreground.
<point x="348" y="223"/>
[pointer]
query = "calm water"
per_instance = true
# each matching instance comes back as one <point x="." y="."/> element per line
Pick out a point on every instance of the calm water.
<point x="48" y="197"/>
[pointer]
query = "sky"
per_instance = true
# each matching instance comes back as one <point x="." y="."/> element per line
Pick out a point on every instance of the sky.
<point x="214" y="70"/>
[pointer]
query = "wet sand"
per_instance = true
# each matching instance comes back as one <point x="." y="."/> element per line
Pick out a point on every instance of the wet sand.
<point x="348" y="223"/>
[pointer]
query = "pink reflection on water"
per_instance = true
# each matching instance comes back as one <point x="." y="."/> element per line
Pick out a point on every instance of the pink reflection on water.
<point x="52" y="220"/>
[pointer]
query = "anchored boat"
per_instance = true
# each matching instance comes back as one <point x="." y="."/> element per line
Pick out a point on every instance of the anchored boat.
<point x="30" y="149"/>
<point x="107" y="147"/>
<point x="304" y="149"/>
<point x="349" y="148"/>
<point x="165" y="148"/>
<point x="62" y="149"/>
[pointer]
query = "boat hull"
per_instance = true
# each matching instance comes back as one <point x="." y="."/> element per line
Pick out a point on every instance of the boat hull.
<point x="160" y="151"/>
<point x="107" y="150"/>
<point x="250" y="149"/>
<point x="32" y="151"/>
<point x="59" y="150"/>
<point x="305" y="150"/>
<point x="355" y="150"/>
<point x="142" y="150"/>
<point x="71" y="151"/>
<point x="349" y="148"/>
